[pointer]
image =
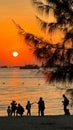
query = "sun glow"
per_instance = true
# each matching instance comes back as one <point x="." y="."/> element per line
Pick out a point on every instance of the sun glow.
<point x="15" y="53"/>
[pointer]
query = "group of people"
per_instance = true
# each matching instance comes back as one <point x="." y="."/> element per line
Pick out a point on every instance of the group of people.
<point x="17" y="109"/>
<point x="41" y="107"/>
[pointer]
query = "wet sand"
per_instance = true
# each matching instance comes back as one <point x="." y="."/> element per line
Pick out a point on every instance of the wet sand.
<point x="60" y="122"/>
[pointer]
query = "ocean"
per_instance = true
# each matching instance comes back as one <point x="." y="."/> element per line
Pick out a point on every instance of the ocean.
<point x="22" y="85"/>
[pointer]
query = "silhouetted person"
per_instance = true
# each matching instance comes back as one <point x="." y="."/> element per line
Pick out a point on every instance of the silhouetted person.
<point x="20" y="110"/>
<point x="9" y="111"/>
<point x="13" y="107"/>
<point x="41" y="107"/>
<point x="65" y="103"/>
<point x="28" y="107"/>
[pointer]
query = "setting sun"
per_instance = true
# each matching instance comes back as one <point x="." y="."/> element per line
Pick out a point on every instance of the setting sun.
<point x="15" y="54"/>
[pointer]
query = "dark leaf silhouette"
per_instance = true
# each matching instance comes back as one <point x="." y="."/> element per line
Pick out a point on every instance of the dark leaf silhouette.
<point x="58" y="55"/>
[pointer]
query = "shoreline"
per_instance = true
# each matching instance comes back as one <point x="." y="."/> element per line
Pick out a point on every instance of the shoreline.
<point x="53" y="122"/>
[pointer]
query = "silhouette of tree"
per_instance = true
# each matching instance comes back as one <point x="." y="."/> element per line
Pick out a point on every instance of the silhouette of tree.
<point x="60" y="54"/>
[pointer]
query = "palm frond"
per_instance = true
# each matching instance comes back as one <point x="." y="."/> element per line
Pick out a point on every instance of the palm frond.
<point x="52" y="27"/>
<point x="69" y="35"/>
<point x="63" y="74"/>
<point x="42" y="23"/>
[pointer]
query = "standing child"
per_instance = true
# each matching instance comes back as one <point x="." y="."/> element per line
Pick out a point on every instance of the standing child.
<point x="28" y="107"/>
<point x="9" y="111"/>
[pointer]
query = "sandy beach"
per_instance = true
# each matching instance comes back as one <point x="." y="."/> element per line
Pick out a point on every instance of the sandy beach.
<point x="60" y="122"/>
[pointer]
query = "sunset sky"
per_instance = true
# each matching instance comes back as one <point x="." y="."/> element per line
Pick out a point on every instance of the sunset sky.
<point x="23" y="14"/>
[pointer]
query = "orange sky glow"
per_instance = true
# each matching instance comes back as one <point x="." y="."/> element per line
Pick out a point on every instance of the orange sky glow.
<point x="23" y="14"/>
<point x="20" y="11"/>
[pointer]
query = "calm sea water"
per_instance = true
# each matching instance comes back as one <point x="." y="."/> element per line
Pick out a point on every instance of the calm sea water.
<point x="23" y="85"/>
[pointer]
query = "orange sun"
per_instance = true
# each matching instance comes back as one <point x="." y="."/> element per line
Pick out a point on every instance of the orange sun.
<point x="15" y="53"/>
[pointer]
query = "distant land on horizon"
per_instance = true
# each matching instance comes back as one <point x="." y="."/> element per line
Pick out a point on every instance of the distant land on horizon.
<point x="28" y="66"/>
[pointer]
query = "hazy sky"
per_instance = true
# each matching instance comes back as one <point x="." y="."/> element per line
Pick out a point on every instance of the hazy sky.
<point x="23" y="13"/>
